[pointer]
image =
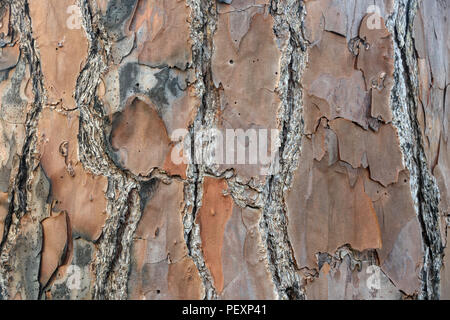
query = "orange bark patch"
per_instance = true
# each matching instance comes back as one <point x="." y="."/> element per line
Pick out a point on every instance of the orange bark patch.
<point x="334" y="88"/>
<point x="140" y="138"/>
<point x="165" y="33"/>
<point x="78" y="192"/>
<point x="184" y="280"/>
<point x="55" y="240"/>
<point x="244" y="46"/>
<point x="9" y="56"/>
<point x="327" y="211"/>
<point x="245" y="269"/>
<point x="161" y="224"/>
<point x="376" y="60"/>
<point x="161" y="268"/>
<point x="213" y="216"/>
<point x="357" y="146"/>
<point x="141" y="141"/>
<point x="62" y="46"/>
<point x="248" y="99"/>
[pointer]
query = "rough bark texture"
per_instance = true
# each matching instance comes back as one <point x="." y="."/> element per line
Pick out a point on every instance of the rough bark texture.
<point x="93" y="92"/>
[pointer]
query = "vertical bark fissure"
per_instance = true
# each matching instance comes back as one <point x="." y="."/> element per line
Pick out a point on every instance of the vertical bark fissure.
<point x="288" y="17"/>
<point x="111" y="264"/>
<point x="404" y="104"/>
<point x="203" y="25"/>
<point x="19" y="204"/>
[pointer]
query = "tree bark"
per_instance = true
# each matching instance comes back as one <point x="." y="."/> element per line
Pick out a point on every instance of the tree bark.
<point x="133" y="163"/>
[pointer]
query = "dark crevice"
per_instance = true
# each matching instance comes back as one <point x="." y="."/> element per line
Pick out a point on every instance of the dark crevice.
<point x="202" y="25"/>
<point x="18" y="205"/>
<point x="427" y="196"/>
<point x="274" y="218"/>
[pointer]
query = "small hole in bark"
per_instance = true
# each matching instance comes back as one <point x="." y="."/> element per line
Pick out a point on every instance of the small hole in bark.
<point x="158" y="291"/>
<point x="231" y="61"/>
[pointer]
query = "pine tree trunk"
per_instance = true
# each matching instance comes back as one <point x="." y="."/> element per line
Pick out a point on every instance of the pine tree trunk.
<point x="133" y="162"/>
